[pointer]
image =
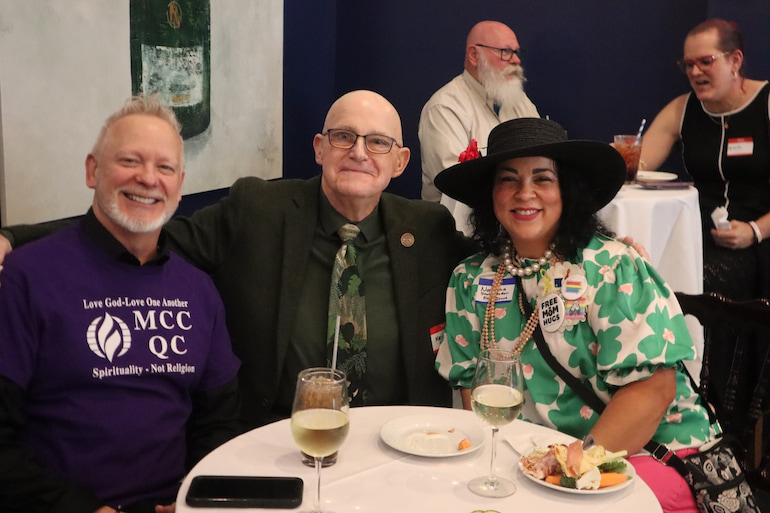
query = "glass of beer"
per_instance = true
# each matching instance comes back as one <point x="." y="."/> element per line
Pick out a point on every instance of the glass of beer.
<point x="630" y="147"/>
<point x="319" y="416"/>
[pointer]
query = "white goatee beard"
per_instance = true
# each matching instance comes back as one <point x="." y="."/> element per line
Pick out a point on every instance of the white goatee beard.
<point x="506" y="86"/>
<point x="110" y="207"/>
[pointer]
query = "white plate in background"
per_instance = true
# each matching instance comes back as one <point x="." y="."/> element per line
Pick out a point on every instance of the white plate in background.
<point x="434" y="435"/>
<point x="655" y="176"/>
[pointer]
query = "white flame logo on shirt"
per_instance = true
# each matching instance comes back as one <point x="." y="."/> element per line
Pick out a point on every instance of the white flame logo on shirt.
<point x="108" y="337"/>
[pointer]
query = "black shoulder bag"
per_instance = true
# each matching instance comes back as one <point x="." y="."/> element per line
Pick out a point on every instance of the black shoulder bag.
<point x="714" y="475"/>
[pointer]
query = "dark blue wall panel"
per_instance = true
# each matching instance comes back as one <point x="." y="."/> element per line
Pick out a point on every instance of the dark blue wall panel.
<point x="596" y="67"/>
<point x="309" y="75"/>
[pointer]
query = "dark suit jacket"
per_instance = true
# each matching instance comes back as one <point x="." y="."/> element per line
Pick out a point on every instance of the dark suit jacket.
<point x="256" y="244"/>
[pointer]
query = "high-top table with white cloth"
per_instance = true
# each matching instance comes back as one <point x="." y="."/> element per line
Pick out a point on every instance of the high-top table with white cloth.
<point x="372" y="477"/>
<point x="667" y="222"/>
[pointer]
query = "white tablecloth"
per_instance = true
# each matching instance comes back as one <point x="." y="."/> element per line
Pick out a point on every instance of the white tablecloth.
<point x="371" y="477"/>
<point x="667" y="223"/>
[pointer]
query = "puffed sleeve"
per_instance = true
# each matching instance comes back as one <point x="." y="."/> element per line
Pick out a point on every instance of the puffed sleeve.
<point x="636" y="318"/>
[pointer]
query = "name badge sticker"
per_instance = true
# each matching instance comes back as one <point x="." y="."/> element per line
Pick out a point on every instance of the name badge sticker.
<point x="504" y="293"/>
<point x="437" y="336"/>
<point x="740" y="147"/>
<point x="551" y="312"/>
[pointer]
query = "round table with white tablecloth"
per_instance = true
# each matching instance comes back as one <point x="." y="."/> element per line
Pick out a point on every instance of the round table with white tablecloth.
<point x="370" y="476"/>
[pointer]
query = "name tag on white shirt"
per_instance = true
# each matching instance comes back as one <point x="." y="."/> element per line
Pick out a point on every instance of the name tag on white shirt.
<point x="504" y="294"/>
<point x="740" y="147"/>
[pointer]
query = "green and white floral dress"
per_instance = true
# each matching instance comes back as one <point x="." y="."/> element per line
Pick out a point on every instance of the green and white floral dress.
<point x="618" y="323"/>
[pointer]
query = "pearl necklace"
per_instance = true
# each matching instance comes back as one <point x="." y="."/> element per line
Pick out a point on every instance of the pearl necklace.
<point x="513" y="264"/>
<point x="488" y="340"/>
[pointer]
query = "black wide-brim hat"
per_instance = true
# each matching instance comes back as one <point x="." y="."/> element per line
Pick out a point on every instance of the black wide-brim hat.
<point x="598" y="163"/>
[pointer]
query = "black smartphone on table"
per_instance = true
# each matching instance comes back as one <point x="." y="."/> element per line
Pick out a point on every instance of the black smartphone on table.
<point x="245" y="492"/>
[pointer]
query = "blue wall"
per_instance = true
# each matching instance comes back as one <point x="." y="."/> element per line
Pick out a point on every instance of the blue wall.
<point x="596" y="67"/>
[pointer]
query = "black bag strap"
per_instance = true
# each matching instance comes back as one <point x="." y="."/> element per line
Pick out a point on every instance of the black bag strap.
<point x="587" y="395"/>
<point x="658" y="451"/>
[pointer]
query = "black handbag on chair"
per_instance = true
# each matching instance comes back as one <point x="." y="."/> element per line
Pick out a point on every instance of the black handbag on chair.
<point x="714" y="475"/>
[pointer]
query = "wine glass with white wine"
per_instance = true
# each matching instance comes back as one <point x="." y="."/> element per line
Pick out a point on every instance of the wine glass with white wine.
<point x="319" y="417"/>
<point x="497" y="397"/>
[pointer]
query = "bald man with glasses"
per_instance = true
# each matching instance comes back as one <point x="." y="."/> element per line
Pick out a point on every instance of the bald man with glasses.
<point x="488" y="92"/>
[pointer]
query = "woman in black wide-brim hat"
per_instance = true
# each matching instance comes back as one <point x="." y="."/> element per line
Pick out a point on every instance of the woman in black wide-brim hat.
<point x="603" y="311"/>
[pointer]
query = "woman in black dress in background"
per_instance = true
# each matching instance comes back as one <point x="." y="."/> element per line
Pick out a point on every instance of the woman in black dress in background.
<point x="724" y="129"/>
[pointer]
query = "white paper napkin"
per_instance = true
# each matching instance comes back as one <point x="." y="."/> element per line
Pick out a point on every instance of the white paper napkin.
<point x="525" y="443"/>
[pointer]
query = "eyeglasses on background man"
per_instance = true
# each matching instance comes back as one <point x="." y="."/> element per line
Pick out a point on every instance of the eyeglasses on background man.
<point x="506" y="54"/>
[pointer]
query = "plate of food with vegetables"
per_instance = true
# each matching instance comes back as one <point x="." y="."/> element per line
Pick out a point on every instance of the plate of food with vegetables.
<point x="572" y="469"/>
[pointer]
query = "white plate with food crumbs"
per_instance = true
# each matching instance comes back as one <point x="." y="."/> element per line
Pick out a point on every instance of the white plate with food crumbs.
<point x="453" y="433"/>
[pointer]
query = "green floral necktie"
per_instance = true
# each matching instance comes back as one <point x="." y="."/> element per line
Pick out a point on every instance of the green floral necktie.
<point x="346" y="300"/>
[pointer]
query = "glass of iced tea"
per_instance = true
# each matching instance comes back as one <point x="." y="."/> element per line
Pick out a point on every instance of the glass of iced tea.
<point x="631" y="149"/>
<point x="319" y="417"/>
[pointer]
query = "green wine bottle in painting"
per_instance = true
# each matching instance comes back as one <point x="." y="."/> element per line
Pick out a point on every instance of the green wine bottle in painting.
<point x="170" y="57"/>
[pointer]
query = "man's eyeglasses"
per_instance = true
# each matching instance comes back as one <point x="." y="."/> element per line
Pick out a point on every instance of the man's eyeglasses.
<point x="506" y="54"/>
<point x="345" y="139"/>
<point x="704" y="63"/>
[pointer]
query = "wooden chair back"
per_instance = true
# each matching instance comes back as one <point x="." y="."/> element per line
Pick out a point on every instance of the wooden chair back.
<point x="736" y="365"/>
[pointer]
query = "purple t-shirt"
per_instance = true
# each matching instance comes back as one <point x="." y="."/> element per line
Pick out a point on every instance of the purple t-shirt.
<point x="109" y="355"/>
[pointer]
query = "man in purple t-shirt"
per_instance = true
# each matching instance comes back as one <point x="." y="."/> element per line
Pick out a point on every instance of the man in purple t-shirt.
<point x="116" y="372"/>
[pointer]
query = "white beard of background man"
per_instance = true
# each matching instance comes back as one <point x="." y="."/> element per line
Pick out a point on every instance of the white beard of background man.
<point x="505" y="86"/>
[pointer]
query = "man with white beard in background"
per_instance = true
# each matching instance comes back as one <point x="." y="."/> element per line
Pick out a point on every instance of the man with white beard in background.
<point x="489" y="91"/>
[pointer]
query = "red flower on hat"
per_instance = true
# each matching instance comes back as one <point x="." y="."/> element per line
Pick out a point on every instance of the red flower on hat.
<point x="471" y="152"/>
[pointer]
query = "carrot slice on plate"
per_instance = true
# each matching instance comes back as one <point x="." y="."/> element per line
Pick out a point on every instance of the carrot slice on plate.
<point x="611" y="479"/>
